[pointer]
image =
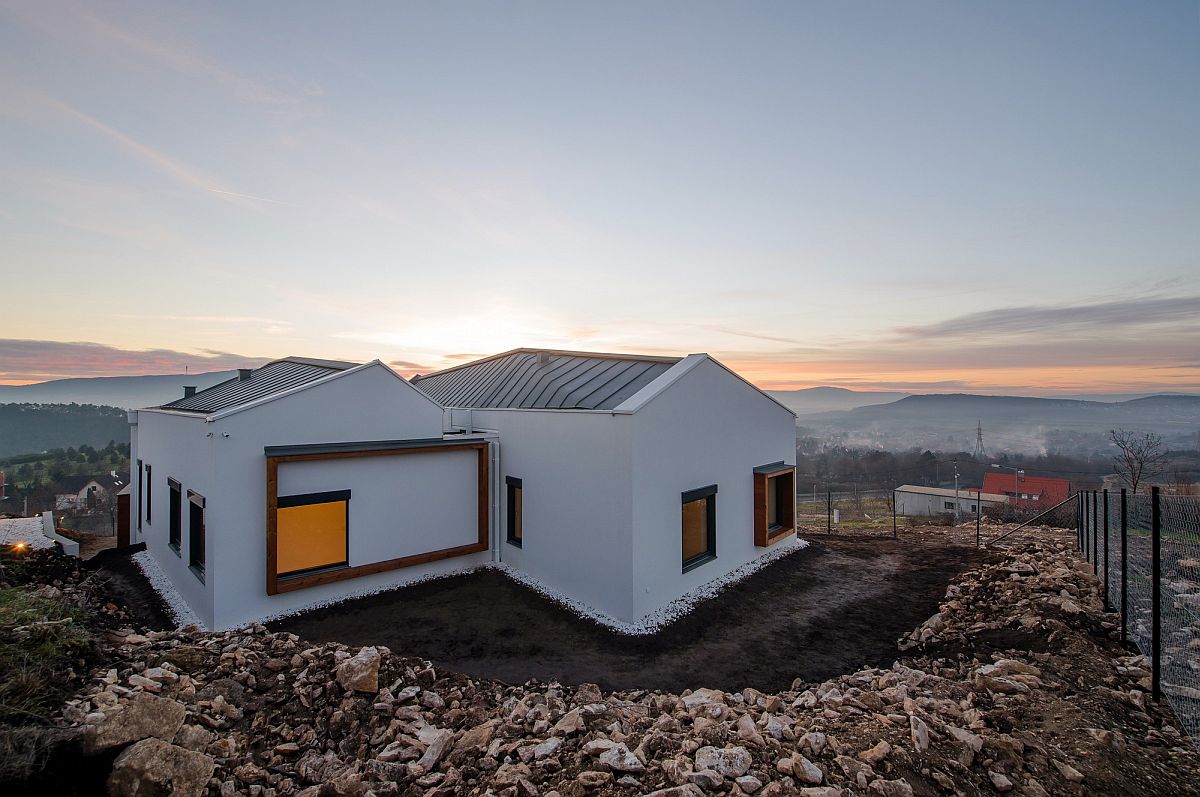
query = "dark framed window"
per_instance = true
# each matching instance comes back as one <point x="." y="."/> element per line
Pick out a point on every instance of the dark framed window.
<point x="312" y="532"/>
<point x="196" y="533"/>
<point x="774" y="503"/>
<point x="699" y="526"/>
<point x="175" y="514"/>
<point x="948" y="504"/>
<point x="515" y="501"/>
<point x="141" y="498"/>
<point x="149" y="493"/>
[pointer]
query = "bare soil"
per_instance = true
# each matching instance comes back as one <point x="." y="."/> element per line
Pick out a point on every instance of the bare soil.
<point x="831" y="608"/>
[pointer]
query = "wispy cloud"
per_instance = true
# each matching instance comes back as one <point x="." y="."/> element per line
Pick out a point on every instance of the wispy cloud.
<point x="39" y="360"/>
<point x="1097" y="318"/>
<point x="80" y="25"/>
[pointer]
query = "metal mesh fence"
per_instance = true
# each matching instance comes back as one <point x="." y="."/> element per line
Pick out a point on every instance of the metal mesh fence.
<point x="1120" y="544"/>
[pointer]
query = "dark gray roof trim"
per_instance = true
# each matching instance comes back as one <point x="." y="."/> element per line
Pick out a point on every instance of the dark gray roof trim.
<point x="774" y="467"/>
<point x="271" y="378"/>
<point x="544" y="379"/>
<point x="368" y="445"/>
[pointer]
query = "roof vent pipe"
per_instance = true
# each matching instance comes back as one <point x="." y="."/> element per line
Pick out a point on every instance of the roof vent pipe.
<point x="244" y="374"/>
<point x="189" y="391"/>
<point x="543" y="357"/>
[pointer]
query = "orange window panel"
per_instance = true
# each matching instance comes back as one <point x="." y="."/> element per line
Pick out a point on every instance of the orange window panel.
<point x="311" y="536"/>
<point x="695" y="528"/>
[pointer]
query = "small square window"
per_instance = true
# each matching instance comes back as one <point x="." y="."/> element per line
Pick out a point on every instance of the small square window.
<point x="699" y="526"/>
<point x="949" y="505"/>
<point x="312" y="532"/>
<point x="175" y="514"/>
<point x="196" y="553"/>
<point x="514" y="493"/>
<point x="774" y="503"/>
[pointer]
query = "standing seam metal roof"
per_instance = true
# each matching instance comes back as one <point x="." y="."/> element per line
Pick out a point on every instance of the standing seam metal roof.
<point x="271" y="378"/>
<point x="544" y="379"/>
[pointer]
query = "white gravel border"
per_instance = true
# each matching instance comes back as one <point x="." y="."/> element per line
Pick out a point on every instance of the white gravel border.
<point x="661" y="618"/>
<point x="158" y="578"/>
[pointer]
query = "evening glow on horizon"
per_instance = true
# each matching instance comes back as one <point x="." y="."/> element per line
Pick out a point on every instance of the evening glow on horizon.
<point x="928" y="197"/>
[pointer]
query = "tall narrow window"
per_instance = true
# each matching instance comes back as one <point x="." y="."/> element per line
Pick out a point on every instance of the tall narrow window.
<point x="699" y="526"/>
<point x="312" y="532"/>
<point x="196" y="533"/>
<point x="774" y="502"/>
<point x="140" y="498"/>
<point x="149" y="492"/>
<point x="514" y="500"/>
<point x="175" y="505"/>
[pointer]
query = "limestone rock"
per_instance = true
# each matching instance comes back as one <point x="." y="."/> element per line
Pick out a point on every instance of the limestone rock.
<point x="154" y="767"/>
<point x="732" y="762"/>
<point x="141" y="717"/>
<point x="360" y="672"/>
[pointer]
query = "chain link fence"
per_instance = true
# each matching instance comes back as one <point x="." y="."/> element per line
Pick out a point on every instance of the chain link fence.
<point x="853" y="513"/>
<point x="1146" y="551"/>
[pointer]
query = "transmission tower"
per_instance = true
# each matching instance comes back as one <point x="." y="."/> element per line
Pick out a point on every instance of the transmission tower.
<point x="978" y="439"/>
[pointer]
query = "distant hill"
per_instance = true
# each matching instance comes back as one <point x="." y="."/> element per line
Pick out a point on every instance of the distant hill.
<point x="130" y="392"/>
<point x="1018" y="423"/>
<point x="29" y="428"/>
<point x="828" y="399"/>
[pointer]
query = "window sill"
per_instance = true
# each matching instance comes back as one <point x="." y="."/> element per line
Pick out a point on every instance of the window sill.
<point x="175" y="547"/>
<point x="776" y="534"/>
<point x="515" y="543"/>
<point x="198" y="572"/>
<point x="697" y="561"/>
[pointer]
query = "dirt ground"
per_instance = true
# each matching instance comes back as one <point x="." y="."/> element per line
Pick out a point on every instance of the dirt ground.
<point x="835" y="606"/>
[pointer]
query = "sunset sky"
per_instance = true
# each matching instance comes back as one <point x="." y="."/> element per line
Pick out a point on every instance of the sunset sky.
<point x="928" y="196"/>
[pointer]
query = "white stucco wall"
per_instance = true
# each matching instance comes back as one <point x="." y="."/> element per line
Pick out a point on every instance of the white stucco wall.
<point x="708" y="427"/>
<point x="577" y="490"/>
<point x="400" y="505"/>
<point x="176" y="447"/>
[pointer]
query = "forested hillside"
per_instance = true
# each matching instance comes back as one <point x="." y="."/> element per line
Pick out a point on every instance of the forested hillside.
<point x="26" y="428"/>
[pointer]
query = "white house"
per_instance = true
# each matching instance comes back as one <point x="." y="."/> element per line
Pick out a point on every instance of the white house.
<point x="918" y="501"/>
<point x="622" y="482"/>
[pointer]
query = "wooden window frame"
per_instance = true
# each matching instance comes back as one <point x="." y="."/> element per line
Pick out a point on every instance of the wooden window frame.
<point x="512" y="483"/>
<point x="764" y="534"/>
<point x="197" y="567"/>
<point x="276" y="584"/>
<point x="175" y="516"/>
<point x="710" y="551"/>
<point x="141" y="498"/>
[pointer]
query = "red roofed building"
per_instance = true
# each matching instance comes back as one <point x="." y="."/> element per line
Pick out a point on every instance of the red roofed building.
<point x="1027" y="492"/>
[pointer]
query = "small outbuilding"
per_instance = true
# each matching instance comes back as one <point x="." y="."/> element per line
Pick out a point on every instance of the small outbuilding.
<point x="620" y="482"/>
<point x="918" y="501"/>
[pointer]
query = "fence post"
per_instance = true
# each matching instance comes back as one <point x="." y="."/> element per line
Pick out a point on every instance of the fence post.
<point x="1079" y="520"/>
<point x="1095" y="536"/>
<point x="1124" y="568"/>
<point x="978" y="514"/>
<point x="894" y="515"/>
<point x="829" y="511"/>
<point x="1106" y="603"/>
<point x="1155" y="608"/>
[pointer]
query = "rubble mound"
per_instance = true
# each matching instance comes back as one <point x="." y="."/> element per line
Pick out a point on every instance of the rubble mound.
<point x="1017" y="685"/>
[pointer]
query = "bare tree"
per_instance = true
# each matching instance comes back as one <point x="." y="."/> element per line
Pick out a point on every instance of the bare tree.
<point x="1140" y="456"/>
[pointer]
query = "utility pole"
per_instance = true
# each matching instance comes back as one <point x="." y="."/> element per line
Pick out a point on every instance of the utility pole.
<point x="956" y="516"/>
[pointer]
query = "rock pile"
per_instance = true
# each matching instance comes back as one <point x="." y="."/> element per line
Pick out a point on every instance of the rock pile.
<point x="1015" y="686"/>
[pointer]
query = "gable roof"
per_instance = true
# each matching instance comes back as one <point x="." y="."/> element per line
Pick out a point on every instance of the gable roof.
<point x="544" y="379"/>
<point x="1005" y="482"/>
<point x="274" y="377"/>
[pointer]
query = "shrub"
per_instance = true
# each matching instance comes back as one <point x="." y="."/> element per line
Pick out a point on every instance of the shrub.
<point x="42" y="640"/>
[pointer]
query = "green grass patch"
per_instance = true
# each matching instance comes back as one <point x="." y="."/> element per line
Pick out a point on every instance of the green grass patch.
<point x="42" y="640"/>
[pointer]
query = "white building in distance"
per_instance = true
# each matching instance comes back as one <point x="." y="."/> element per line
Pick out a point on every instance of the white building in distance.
<point x="917" y="501"/>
